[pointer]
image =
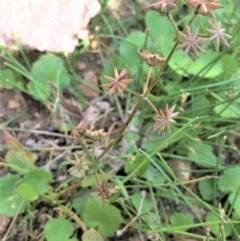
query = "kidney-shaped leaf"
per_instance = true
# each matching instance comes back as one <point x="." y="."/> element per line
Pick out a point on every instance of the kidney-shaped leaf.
<point x="229" y="181"/>
<point x="50" y="67"/>
<point x="10" y="201"/>
<point x="103" y="216"/>
<point x="58" y="229"/>
<point x="40" y="179"/>
<point x="27" y="191"/>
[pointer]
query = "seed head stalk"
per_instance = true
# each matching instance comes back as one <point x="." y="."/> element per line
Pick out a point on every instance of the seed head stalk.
<point x="140" y="100"/>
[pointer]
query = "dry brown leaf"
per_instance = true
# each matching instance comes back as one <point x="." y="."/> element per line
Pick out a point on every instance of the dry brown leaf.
<point x="4" y="221"/>
<point x="91" y="78"/>
<point x="12" y="142"/>
<point x="71" y="105"/>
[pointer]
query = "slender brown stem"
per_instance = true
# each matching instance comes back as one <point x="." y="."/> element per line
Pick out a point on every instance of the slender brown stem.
<point x="151" y="105"/>
<point x="68" y="189"/>
<point x="172" y="22"/>
<point x="74" y="216"/>
<point x="148" y="78"/>
<point x="88" y="153"/>
<point x="144" y="98"/>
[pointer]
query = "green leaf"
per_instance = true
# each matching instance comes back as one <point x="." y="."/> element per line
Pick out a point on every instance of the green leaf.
<point x="227" y="110"/>
<point x="181" y="219"/>
<point x="128" y="50"/>
<point x="154" y="176"/>
<point x="152" y="220"/>
<point x="236" y="204"/>
<point x="91" y="180"/>
<point x="80" y="202"/>
<point x="10" y="201"/>
<point x="40" y="90"/>
<point x="136" y="200"/>
<point x="139" y="165"/>
<point x="27" y="191"/>
<point x="50" y="67"/>
<point x="203" y="155"/>
<point x="19" y="161"/>
<point x="103" y="216"/>
<point x="161" y="30"/>
<point x="215" y="228"/>
<point x="8" y="80"/>
<point x="40" y="179"/>
<point x="91" y="235"/>
<point x="230" y="66"/>
<point x="58" y="229"/>
<point x="229" y="181"/>
<point x="206" y="189"/>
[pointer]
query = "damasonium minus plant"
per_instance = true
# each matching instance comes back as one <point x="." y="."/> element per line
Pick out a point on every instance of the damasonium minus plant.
<point x="186" y="40"/>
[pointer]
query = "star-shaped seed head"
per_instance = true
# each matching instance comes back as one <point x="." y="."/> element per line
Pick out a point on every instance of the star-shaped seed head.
<point x="217" y="35"/>
<point x="163" y="6"/>
<point x="119" y="83"/>
<point x="163" y="118"/>
<point x="189" y="43"/>
<point x="151" y="59"/>
<point x="204" y="7"/>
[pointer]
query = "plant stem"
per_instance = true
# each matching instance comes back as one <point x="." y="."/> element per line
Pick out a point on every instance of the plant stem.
<point x="172" y="22"/>
<point x="68" y="189"/>
<point x="138" y="104"/>
<point x="88" y="153"/>
<point x="144" y="98"/>
<point x="148" y="78"/>
<point x="74" y="216"/>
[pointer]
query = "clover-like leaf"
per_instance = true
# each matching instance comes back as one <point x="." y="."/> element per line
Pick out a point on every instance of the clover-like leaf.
<point x="8" y="79"/>
<point x="105" y="217"/>
<point x="146" y="206"/>
<point x="202" y="154"/>
<point x="27" y="191"/>
<point x="181" y="219"/>
<point x="215" y="228"/>
<point x="58" y="229"/>
<point x="229" y="180"/>
<point x="139" y="165"/>
<point x="40" y="179"/>
<point x="50" y="68"/>
<point x="10" y="201"/>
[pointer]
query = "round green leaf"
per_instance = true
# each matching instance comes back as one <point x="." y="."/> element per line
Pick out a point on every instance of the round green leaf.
<point x="40" y="179"/>
<point x="139" y="166"/>
<point x="215" y="228"/>
<point x="181" y="219"/>
<point x="59" y="229"/>
<point x="7" y="78"/>
<point x="203" y="155"/>
<point x="229" y="181"/>
<point x="206" y="189"/>
<point x="27" y="191"/>
<point x="50" y="67"/>
<point x="104" y="216"/>
<point x="9" y="200"/>
<point x="146" y="206"/>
